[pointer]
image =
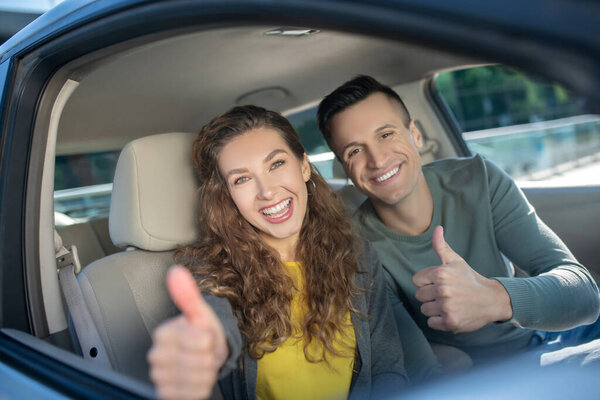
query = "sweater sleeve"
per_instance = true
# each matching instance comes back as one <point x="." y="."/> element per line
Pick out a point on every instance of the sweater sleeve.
<point x="560" y="293"/>
<point x="387" y="360"/>
<point x="223" y="309"/>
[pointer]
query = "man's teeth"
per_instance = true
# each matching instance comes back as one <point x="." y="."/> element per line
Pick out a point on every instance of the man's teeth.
<point x="276" y="211"/>
<point x="388" y="175"/>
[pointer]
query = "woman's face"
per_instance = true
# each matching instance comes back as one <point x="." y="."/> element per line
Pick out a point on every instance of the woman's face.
<point x="267" y="183"/>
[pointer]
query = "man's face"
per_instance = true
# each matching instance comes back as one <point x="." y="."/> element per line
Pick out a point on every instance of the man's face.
<point x="379" y="152"/>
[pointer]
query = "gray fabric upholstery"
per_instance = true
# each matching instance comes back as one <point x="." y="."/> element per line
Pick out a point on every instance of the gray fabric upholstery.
<point x="127" y="299"/>
<point x="152" y="212"/>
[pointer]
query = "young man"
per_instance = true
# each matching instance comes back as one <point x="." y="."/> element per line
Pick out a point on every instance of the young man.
<point x="443" y="232"/>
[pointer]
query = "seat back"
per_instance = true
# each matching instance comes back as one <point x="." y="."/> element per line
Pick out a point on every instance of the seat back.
<point x="91" y="238"/>
<point x="153" y="211"/>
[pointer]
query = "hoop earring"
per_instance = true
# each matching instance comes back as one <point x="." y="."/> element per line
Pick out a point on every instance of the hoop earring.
<point x="314" y="187"/>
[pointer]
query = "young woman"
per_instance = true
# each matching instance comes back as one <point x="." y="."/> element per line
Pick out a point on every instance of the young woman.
<point x="294" y="308"/>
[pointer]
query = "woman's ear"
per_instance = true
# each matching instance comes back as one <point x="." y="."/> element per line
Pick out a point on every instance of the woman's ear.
<point x="306" y="171"/>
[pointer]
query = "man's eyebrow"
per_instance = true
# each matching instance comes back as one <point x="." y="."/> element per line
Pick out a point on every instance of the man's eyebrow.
<point x="384" y="127"/>
<point x="358" y="143"/>
<point x="269" y="157"/>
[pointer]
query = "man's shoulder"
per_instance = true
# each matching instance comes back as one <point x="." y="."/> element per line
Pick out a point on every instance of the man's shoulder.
<point x="455" y="164"/>
<point x="456" y="172"/>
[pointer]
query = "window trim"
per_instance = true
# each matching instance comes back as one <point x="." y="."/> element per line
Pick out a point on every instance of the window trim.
<point x="445" y="116"/>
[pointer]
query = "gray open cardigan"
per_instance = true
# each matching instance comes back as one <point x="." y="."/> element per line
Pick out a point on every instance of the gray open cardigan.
<point x="379" y="365"/>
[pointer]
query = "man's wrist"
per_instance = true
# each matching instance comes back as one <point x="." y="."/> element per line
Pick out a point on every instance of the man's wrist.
<point x="502" y="304"/>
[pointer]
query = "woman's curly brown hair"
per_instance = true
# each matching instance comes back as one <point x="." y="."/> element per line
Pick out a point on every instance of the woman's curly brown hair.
<point x="230" y="260"/>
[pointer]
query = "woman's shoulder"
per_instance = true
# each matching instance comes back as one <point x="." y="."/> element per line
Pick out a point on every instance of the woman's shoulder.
<point x="368" y="266"/>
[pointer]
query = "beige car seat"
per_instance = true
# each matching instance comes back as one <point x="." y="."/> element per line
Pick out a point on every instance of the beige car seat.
<point x="91" y="238"/>
<point x="152" y="212"/>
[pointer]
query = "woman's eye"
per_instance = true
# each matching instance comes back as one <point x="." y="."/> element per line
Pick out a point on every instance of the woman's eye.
<point x="239" y="180"/>
<point x="277" y="164"/>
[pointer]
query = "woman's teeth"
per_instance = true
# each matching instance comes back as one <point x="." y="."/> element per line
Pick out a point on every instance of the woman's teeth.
<point x="278" y="210"/>
<point x="388" y="175"/>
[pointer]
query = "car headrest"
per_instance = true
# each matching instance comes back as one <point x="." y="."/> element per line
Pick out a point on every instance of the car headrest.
<point x="154" y="198"/>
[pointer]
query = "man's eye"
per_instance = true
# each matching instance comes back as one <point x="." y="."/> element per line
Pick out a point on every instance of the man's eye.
<point x="386" y="134"/>
<point x="239" y="180"/>
<point x="277" y="164"/>
<point x="353" y="152"/>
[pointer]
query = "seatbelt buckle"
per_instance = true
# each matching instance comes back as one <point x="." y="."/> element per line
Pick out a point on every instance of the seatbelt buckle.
<point x="64" y="260"/>
<point x="68" y="256"/>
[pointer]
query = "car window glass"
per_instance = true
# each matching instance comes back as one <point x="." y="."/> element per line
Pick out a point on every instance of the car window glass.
<point x="305" y="123"/>
<point x="82" y="186"/>
<point x="536" y="130"/>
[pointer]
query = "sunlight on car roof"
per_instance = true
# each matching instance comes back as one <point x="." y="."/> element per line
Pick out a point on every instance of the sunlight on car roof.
<point x="28" y="5"/>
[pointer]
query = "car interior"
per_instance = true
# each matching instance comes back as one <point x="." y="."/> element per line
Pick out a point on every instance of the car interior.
<point x="143" y="102"/>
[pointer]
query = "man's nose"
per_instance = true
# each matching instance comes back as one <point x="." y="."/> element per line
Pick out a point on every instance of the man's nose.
<point x="376" y="157"/>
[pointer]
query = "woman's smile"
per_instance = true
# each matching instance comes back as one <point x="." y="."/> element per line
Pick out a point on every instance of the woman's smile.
<point x="280" y="212"/>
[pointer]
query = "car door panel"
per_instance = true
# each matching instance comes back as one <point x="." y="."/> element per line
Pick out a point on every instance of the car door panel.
<point x="574" y="214"/>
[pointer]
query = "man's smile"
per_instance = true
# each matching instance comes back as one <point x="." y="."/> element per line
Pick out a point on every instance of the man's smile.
<point x="386" y="176"/>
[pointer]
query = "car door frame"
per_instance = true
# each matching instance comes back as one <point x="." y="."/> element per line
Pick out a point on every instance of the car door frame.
<point x="80" y="28"/>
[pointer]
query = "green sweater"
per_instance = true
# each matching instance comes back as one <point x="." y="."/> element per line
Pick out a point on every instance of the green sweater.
<point x="485" y="216"/>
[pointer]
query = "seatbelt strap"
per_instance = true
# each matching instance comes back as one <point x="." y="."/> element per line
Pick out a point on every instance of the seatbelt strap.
<point x="67" y="263"/>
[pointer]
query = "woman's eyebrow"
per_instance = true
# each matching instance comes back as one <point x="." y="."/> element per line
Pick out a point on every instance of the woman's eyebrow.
<point x="236" y="171"/>
<point x="273" y="154"/>
<point x="268" y="158"/>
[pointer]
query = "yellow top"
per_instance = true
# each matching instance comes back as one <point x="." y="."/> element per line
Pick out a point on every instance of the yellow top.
<point x="287" y="374"/>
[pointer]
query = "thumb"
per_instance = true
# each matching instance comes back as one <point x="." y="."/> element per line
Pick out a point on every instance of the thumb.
<point x="185" y="293"/>
<point x="442" y="249"/>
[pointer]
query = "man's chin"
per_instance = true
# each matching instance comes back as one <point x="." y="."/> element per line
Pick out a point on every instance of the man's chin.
<point x="384" y="201"/>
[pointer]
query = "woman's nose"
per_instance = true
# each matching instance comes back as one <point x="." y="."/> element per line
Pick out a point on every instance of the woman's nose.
<point x="265" y="189"/>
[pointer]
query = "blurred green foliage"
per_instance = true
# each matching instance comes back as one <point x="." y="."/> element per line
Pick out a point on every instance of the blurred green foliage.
<point x="492" y="96"/>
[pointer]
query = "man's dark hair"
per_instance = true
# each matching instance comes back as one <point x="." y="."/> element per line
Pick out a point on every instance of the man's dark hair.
<point x="348" y="94"/>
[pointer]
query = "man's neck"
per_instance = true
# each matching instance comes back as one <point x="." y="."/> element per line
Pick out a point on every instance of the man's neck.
<point x="412" y="215"/>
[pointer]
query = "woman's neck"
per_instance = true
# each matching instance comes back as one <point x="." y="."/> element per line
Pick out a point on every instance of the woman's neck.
<point x="285" y="247"/>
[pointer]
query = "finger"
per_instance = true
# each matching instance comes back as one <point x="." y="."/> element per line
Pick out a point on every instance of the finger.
<point x="437" y="322"/>
<point x="431" y="309"/>
<point x="425" y="276"/>
<point x="185" y="293"/>
<point x="442" y="249"/>
<point x="198" y="339"/>
<point x="426" y="293"/>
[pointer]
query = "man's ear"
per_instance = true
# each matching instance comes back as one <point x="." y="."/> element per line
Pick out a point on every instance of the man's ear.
<point x="306" y="171"/>
<point x="416" y="134"/>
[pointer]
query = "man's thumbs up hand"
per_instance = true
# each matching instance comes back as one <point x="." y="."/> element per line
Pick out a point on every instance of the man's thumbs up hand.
<point x="455" y="297"/>
<point x="441" y="248"/>
<point x="187" y="351"/>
